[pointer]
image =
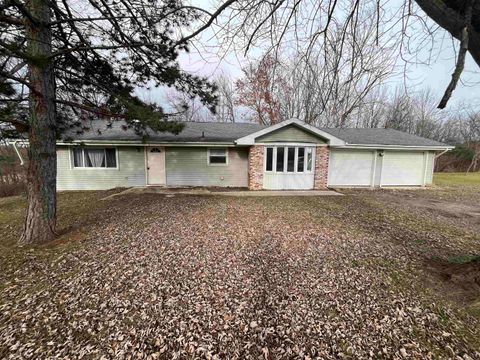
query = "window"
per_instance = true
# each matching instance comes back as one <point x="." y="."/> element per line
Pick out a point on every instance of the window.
<point x="309" y="159"/>
<point x="289" y="159"/>
<point x="94" y="158"/>
<point x="269" y="164"/>
<point x="280" y="158"/>
<point x="301" y="159"/>
<point x="217" y="157"/>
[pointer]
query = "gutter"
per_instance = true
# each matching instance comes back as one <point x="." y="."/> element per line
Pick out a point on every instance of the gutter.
<point x="395" y="147"/>
<point x="14" y="143"/>
<point x="141" y="144"/>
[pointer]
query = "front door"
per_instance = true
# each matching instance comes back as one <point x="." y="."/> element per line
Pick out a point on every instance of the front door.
<point x="156" y="165"/>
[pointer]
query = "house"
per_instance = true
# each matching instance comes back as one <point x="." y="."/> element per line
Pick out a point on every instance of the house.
<point x="288" y="155"/>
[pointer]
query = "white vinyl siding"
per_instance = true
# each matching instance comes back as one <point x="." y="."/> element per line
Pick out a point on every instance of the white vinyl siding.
<point x="130" y="171"/>
<point x="351" y="167"/>
<point x="189" y="166"/>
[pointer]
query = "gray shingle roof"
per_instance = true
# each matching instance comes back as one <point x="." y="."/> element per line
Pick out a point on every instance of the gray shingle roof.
<point x="192" y="132"/>
<point x="211" y="132"/>
<point x="380" y="137"/>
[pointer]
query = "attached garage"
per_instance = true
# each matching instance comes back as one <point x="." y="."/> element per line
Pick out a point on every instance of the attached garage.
<point x="379" y="167"/>
<point x="358" y="167"/>
<point x="381" y="158"/>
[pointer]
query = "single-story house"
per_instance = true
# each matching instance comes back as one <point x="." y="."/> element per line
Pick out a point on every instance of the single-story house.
<point x="288" y="155"/>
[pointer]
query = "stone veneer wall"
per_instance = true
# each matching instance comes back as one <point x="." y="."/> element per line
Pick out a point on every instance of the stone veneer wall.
<point x="321" y="167"/>
<point x="255" y="167"/>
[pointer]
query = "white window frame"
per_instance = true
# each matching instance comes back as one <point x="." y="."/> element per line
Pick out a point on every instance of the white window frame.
<point x="214" y="164"/>
<point x="285" y="159"/>
<point x="72" y="160"/>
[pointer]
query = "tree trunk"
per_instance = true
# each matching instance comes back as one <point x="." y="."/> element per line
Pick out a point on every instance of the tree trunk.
<point x="40" y="219"/>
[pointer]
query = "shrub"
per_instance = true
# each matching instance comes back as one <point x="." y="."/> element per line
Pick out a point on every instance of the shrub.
<point x="12" y="174"/>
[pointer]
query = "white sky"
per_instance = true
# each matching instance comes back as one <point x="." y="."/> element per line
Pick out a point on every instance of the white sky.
<point x="435" y="76"/>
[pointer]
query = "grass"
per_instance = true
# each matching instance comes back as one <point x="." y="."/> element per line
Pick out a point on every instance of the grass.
<point x="464" y="259"/>
<point x="456" y="179"/>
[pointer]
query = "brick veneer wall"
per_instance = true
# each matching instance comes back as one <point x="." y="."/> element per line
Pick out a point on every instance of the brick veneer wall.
<point x="321" y="167"/>
<point x="255" y="167"/>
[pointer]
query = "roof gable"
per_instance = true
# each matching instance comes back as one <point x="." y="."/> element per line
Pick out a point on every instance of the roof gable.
<point x="253" y="138"/>
<point x="291" y="133"/>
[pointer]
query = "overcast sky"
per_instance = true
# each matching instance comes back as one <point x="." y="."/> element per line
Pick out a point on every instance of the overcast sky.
<point x="435" y="76"/>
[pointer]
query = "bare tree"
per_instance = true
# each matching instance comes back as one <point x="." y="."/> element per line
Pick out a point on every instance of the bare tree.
<point x="331" y="84"/>
<point x="472" y="135"/>
<point x="373" y="112"/>
<point x="304" y="24"/>
<point x="226" y="108"/>
<point x="186" y="108"/>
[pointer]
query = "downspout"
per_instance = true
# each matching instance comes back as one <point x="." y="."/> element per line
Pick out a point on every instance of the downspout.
<point x="437" y="156"/>
<point x="443" y="152"/>
<point x="18" y="152"/>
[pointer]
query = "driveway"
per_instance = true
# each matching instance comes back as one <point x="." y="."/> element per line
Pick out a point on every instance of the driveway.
<point x="156" y="276"/>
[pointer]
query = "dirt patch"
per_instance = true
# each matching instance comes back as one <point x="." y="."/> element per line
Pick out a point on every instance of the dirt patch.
<point x="459" y="282"/>
<point x="467" y="214"/>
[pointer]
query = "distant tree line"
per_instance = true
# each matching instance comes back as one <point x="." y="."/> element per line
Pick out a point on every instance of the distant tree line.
<point x="271" y="90"/>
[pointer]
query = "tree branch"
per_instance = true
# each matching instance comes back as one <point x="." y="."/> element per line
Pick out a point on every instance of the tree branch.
<point x="461" y="56"/>
<point x="208" y="23"/>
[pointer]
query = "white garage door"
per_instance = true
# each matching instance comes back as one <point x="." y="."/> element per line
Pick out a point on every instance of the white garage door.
<point x="403" y="168"/>
<point x="350" y="168"/>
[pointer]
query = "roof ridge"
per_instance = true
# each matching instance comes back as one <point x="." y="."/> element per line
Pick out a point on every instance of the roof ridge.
<point x="220" y="122"/>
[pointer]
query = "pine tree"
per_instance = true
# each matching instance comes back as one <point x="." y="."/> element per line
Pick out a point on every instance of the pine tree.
<point x="60" y="60"/>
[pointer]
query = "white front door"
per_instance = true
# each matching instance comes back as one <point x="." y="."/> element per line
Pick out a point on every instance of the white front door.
<point x="289" y="167"/>
<point x="156" y="165"/>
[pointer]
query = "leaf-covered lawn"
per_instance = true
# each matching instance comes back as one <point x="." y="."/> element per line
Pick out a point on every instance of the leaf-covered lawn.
<point x="153" y="276"/>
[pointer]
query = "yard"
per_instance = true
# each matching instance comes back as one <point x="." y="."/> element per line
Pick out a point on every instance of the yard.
<point x="388" y="273"/>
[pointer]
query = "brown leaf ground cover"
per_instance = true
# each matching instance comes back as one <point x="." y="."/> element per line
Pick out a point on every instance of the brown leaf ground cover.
<point x="155" y="276"/>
